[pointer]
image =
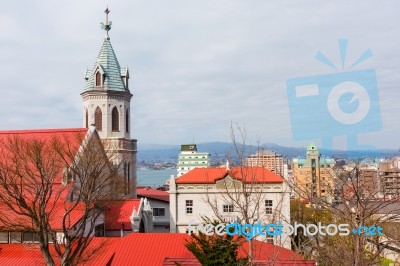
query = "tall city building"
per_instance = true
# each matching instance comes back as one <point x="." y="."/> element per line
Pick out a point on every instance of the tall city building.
<point x="189" y="159"/>
<point x="389" y="176"/>
<point x="106" y="104"/>
<point x="314" y="175"/>
<point x="269" y="159"/>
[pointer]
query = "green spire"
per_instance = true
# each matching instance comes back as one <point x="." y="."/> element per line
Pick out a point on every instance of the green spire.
<point x="107" y="64"/>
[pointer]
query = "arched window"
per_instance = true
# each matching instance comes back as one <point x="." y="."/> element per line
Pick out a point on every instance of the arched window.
<point x="115" y="119"/>
<point x="98" y="119"/>
<point x="127" y="121"/>
<point x="98" y="79"/>
<point x="87" y="119"/>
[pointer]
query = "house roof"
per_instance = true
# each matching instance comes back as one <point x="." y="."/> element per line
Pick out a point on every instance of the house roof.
<point x="98" y="252"/>
<point x="147" y="249"/>
<point x="159" y="248"/>
<point x="21" y="255"/>
<point x="151" y="193"/>
<point x="120" y="214"/>
<point x="70" y="139"/>
<point x="246" y="174"/>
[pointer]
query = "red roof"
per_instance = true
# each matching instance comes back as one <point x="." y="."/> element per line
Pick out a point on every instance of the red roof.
<point x="120" y="214"/>
<point x="21" y="255"/>
<point x="159" y="249"/>
<point x="247" y="174"/>
<point x="71" y="140"/>
<point x="151" y="193"/>
<point x="98" y="252"/>
<point x="146" y="249"/>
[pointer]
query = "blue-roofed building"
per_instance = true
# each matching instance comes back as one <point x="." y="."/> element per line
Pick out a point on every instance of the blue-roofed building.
<point x="106" y="104"/>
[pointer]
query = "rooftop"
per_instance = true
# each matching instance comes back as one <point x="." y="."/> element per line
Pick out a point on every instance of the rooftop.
<point x="246" y="174"/>
<point x="151" y="193"/>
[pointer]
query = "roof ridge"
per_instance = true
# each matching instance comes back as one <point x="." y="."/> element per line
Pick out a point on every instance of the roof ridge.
<point x="42" y="130"/>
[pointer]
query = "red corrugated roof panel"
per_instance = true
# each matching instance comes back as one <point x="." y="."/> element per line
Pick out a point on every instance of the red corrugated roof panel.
<point x="154" y="248"/>
<point x="120" y="213"/>
<point x="146" y="192"/>
<point x="246" y="174"/>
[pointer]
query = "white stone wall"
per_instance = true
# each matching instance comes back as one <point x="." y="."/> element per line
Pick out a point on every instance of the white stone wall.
<point x="159" y="222"/>
<point x="106" y="101"/>
<point x="199" y="193"/>
<point x="106" y="105"/>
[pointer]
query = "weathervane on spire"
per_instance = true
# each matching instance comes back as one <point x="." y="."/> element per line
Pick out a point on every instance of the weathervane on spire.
<point x="107" y="25"/>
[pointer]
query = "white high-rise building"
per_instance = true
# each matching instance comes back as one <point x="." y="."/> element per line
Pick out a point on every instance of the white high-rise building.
<point x="189" y="159"/>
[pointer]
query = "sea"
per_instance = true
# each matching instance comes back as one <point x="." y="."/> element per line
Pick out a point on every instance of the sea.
<point x="154" y="178"/>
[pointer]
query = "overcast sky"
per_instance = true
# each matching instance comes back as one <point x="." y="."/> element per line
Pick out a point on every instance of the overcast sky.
<point x="196" y="66"/>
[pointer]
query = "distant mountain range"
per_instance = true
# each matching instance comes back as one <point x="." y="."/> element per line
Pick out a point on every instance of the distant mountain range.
<point x="219" y="150"/>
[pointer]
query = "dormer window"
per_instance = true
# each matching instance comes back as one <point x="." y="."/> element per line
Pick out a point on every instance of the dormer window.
<point x="99" y="78"/>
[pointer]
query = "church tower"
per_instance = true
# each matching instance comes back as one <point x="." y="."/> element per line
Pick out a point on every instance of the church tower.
<point x="106" y="104"/>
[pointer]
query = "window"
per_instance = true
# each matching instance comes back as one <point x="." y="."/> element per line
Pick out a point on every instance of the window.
<point x="115" y="119"/>
<point x="189" y="206"/>
<point x="268" y="206"/>
<point x="227" y="208"/>
<point x="127" y="121"/>
<point x="158" y="212"/>
<point x="3" y="237"/>
<point x="99" y="230"/>
<point x="30" y="237"/>
<point x="98" y="79"/>
<point x="87" y="119"/>
<point x="98" y="119"/>
<point x="16" y="237"/>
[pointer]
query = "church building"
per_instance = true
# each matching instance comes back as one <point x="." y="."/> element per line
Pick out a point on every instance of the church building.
<point x="106" y="104"/>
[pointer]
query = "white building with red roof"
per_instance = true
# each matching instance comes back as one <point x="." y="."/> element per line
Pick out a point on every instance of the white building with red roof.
<point x="217" y="194"/>
<point x="159" y="201"/>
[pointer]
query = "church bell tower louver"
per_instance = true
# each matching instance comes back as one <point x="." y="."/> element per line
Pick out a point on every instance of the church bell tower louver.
<point x="106" y="104"/>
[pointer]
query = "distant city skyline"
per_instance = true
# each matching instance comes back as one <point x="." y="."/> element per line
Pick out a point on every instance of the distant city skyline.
<point x="196" y="67"/>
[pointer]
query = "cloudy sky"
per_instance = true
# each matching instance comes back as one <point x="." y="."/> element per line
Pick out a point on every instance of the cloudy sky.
<point x="196" y="66"/>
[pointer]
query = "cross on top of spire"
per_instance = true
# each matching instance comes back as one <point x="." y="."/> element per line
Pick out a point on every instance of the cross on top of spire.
<point x="107" y="24"/>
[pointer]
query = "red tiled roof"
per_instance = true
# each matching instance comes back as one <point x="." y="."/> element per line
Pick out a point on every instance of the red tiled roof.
<point x="120" y="213"/>
<point x="247" y="174"/>
<point x="158" y="248"/>
<point x="146" y="192"/>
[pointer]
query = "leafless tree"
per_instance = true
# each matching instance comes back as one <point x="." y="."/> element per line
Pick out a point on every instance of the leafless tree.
<point x="57" y="190"/>
<point x="244" y="191"/>
<point x="357" y="202"/>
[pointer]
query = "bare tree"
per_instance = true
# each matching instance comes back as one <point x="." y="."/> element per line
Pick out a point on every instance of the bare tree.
<point x="57" y="190"/>
<point x="246" y="193"/>
<point x="356" y="202"/>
